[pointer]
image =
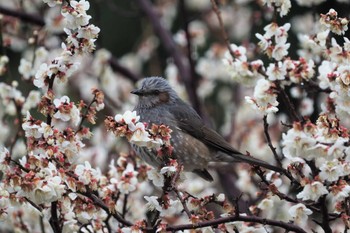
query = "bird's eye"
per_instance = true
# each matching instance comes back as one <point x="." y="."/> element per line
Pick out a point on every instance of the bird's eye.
<point x="156" y="92"/>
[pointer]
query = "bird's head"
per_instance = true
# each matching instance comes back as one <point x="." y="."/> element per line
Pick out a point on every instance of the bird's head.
<point x="154" y="91"/>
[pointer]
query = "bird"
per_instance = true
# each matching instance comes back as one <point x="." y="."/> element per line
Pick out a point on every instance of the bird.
<point x="194" y="144"/>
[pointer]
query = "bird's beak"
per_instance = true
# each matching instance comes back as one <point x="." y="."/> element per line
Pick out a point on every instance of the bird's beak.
<point x="136" y="92"/>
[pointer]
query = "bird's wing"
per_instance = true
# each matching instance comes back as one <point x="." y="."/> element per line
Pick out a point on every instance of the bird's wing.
<point x="189" y="121"/>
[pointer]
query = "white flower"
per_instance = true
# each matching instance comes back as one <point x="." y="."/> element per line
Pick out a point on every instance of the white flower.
<point x="306" y="107"/>
<point x="52" y="3"/>
<point x="174" y="207"/>
<point x="80" y="6"/>
<point x="78" y="17"/>
<point x="280" y="51"/>
<point x="265" y="100"/>
<point x="221" y="197"/>
<point x="66" y="110"/>
<point x="4" y="159"/>
<point x="152" y="203"/>
<point x="266" y="204"/>
<point x="89" y="32"/>
<point x="128" y="180"/>
<point x="140" y="136"/>
<point x="331" y="170"/>
<point x="264" y="43"/>
<point x="168" y="170"/>
<point x="86" y="173"/>
<point x="42" y="73"/>
<point x="47" y="190"/>
<point x="239" y="52"/>
<point x="344" y="72"/>
<point x="276" y="71"/>
<point x="156" y="178"/>
<point x="32" y="101"/>
<point x="129" y="118"/>
<point x="25" y="68"/>
<point x="30" y="129"/>
<point x="299" y="214"/>
<point x="312" y="191"/>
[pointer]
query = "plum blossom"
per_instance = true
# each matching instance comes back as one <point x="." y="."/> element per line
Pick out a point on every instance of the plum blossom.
<point x="156" y="178"/>
<point x="86" y="174"/>
<point x="299" y="142"/>
<point x="48" y="191"/>
<point x="276" y="71"/>
<point x="306" y="107"/>
<point x="128" y="180"/>
<point x="4" y="159"/>
<point x="331" y="21"/>
<point x="312" y="191"/>
<point x="129" y="118"/>
<point x="240" y="68"/>
<point x="152" y="203"/>
<point x="30" y="127"/>
<point x="283" y="6"/>
<point x="331" y="170"/>
<point x="273" y="42"/>
<point x="265" y="99"/>
<point x="53" y="3"/>
<point x="4" y="60"/>
<point x="76" y="16"/>
<point x="299" y="214"/>
<point x="66" y="110"/>
<point x="32" y="101"/>
<point x="140" y="136"/>
<point x="280" y="51"/>
<point x="25" y="68"/>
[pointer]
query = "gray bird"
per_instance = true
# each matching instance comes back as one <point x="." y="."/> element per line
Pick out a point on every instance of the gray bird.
<point x="195" y="145"/>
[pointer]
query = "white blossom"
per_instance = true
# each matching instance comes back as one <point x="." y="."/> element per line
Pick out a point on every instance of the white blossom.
<point x="312" y="191"/>
<point x="299" y="214"/>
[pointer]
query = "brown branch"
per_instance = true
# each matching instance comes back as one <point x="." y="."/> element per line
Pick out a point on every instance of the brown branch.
<point x="20" y="131"/>
<point x="290" y="106"/>
<point x="222" y="27"/>
<point x="54" y="222"/>
<point x="325" y="216"/>
<point x="26" y="17"/>
<point x="268" y="139"/>
<point x="179" y="59"/>
<point x="192" y="63"/>
<point x="98" y="202"/>
<point x="253" y="219"/>
<point x="117" y="67"/>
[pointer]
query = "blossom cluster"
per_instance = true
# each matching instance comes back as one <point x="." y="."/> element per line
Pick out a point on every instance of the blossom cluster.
<point x="80" y="39"/>
<point x="128" y="125"/>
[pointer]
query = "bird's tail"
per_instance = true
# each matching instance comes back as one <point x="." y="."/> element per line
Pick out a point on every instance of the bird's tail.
<point x="239" y="157"/>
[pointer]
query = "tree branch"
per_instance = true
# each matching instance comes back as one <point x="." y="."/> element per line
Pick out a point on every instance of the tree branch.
<point x="253" y="219"/>
<point x="37" y="20"/>
<point x="29" y="18"/>
<point x="268" y="139"/>
<point x="179" y="59"/>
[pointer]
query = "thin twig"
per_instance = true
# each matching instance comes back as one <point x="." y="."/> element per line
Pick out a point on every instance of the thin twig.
<point x="180" y="60"/>
<point x="290" y="106"/>
<point x="268" y="139"/>
<point x="244" y="218"/>
<point x="125" y="205"/>
<point x="117" y="67"/>
<point x="222" y="27"/>
<point x="25" y="17"/>
<point x="325" y="217"/>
